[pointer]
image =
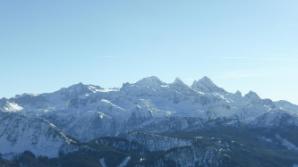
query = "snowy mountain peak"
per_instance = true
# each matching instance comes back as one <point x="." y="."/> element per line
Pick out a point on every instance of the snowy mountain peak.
<point x="206" y="85"/>
<point x="79" y="85"/>
<point x="178" y="81"/>
<point x="206" y="80"/>
<point x="144" y="85"/>
<point x="79" y="89"/>
<point x="152" y="82"/>
<point x="180" y="86"/>
<point x="252" y="95"/>
<point x="238" y="93"/>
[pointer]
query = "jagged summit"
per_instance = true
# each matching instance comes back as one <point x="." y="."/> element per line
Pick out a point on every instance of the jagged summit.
<point x="150" y="81"/>
<point x="179" y="85"/>
<point x="206" y="80"/>
<point x="206" y="85"/>
<point x="79" y="89"/>
<point x="76" y="87"/>
<point x="178" y="81"/>
<point x="252" y="95"/>
<point x="238" y="93"/>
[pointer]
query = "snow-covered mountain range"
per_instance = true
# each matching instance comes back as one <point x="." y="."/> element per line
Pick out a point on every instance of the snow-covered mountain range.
<point x="50" y="123"/>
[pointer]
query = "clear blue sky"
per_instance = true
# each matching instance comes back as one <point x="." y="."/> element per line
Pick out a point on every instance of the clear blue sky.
<point x="240" y="44"/>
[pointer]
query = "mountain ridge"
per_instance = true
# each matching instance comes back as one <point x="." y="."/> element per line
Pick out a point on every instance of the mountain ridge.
<point x="94" y="88"/>
<point x="155" y="109"/>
